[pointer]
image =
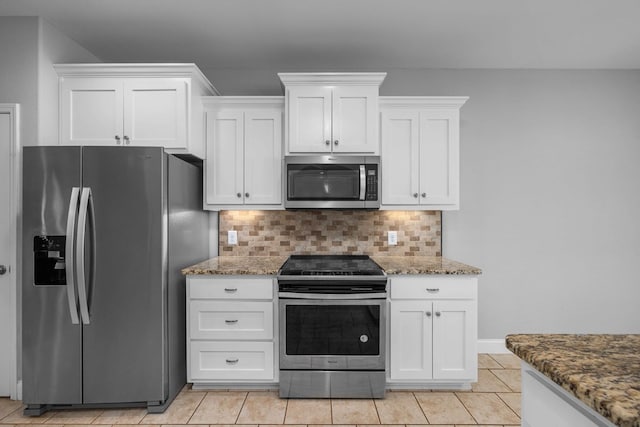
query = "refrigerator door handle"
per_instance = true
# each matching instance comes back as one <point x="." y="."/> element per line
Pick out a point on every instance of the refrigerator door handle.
<point x="92" y="256"/>
<point x="70" y="255"/>
<point x="80" y="241"/>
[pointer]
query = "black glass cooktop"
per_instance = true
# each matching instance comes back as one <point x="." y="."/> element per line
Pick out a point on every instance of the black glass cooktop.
<point x="330" y="265"/>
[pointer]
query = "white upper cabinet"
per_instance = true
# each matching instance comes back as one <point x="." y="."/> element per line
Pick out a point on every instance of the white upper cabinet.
<point x="244" y="152"/>
<point x="420" y="152"/>
<point x="133" y="104"/>
<point x="331" y="112"/>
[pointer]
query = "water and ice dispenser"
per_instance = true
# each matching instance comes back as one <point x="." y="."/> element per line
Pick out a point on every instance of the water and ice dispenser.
<point x="49" y="264"/>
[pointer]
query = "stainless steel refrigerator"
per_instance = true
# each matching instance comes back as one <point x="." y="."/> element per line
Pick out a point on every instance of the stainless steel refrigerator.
<point x="106" y="231"/>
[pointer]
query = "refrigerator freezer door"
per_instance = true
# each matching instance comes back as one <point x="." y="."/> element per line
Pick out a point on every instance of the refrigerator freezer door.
<point x="124" y="351"/>
<point x="51" y="344"/>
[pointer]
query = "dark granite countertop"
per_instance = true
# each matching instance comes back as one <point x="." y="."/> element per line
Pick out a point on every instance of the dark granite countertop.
<point x="250" y="265"/>
<point x="423" y="265"/>
<point x="603" y="371"/>
<point x="258" y="265"/>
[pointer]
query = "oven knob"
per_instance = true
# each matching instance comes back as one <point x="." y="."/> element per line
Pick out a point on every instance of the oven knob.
<point x="364" y="338"/>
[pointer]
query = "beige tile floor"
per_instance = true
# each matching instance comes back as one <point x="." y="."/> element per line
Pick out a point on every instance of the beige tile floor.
<point x="493" y="401"/>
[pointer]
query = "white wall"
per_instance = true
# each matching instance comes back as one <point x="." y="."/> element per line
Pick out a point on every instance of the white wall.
<point x="55" y="48"/>
<point x="18" y="69"/>
<point x="550" y="191"/>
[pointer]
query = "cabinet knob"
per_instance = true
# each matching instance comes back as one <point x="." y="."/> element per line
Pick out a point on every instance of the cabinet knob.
<point x="415" y="195"/>
<point x="3" y="270"/>
<point x="246" y="195"/>
<point x="335" y="142"/>
<point x="239" y="195"/>
<point x="424" y="194"/>
<point x="117" y="140"/>
<point x="428" y="313"/>
<point x="126" y="139"/>
<point x="327" y="142"/>
<point x="437" y="314"/>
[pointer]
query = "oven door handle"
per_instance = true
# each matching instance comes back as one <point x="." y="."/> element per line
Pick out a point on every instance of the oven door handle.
<point x="296" y="295"/>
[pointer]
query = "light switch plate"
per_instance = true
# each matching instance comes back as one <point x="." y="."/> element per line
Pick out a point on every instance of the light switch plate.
<point x="232" y="237"/>
<point x="392" y="238"/>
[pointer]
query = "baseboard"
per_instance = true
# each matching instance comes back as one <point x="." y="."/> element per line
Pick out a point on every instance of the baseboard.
<point x="492" y="346"/>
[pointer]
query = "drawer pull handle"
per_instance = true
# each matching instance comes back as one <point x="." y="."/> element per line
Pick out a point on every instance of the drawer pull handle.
<point x="231" y="289"/>
<point x="232" y="361"/>
<point x="433" y="289"/>
<point x="231" y="322"/>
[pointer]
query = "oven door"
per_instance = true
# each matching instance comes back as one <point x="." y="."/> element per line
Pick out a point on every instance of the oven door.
<point x="332" y="334"/>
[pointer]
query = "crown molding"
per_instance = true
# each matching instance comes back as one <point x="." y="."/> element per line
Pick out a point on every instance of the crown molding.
<point x="331" y="79"/>
<point x="188" y="70"/>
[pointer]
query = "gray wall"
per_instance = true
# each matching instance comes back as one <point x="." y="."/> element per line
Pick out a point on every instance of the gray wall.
<point x="550" y="191"/>
<point x="19" y="68"/>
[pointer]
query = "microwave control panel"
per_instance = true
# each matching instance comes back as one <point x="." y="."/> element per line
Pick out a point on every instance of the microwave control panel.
<point x="372" y="182"/>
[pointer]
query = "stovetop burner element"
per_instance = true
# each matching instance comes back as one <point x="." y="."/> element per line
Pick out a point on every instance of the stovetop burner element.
<point x="330" y="265"/>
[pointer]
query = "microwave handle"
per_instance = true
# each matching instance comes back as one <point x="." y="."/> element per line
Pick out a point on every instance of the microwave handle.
<point x="363" y="182"/>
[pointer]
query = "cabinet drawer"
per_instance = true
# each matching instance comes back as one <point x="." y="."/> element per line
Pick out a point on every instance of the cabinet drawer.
<point x="230" y="320"/>
<point x="221" y="360"/>
<point x="230" y="288"/>
<point x="434" y="287"/>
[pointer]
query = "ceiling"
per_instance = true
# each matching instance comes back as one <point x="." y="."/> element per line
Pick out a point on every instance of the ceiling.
<point x="363" y="35"/>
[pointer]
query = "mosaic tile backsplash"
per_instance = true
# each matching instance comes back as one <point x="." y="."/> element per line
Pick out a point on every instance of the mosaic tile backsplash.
<point x="276" y="233"/>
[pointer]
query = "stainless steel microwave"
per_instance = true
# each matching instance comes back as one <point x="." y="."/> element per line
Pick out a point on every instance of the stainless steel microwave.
<point x="332" y="182"/>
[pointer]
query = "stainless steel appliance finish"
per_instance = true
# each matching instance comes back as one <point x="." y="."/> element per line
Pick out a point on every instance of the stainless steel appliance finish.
<point x="103" y="298"/>
<point x="332" y="182"/>
<point x="332" y="313"/>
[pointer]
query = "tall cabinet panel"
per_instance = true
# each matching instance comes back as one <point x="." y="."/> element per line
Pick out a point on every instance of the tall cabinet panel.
<point x="225" y="148"/>
<point x="400" y="154"/>
<point x="420" y="152"/>
<point x="244" y="153"/>
<point x="262" y="152"/>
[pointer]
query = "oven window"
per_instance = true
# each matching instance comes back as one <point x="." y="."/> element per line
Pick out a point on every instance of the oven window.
<point x="333" y="330"/>
<point x="328" y="182"/>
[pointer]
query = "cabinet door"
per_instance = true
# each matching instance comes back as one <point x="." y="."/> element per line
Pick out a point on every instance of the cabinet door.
<point x="309" y="119"/>
<point x="155" y="112"/>
<point x="439" y="157"/>
<point x="263" y="157"/>
<point x="400" y="157"/>
<point x="224" y="171"/>
<point x="91" y="111"/>
<point x="454" y="340"/>
<point x="355" y="120"/>
<point x="410" y="340"/>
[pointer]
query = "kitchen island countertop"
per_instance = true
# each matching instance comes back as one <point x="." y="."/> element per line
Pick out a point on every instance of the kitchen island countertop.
<point x="603" y="371"/>
<point x="269" y="265"/>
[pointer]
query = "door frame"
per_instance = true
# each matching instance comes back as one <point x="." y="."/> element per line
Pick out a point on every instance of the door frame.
<point x="14" y="184"/>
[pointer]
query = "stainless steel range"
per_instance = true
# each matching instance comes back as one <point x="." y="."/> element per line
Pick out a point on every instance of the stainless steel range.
<point x="332" y="326"/>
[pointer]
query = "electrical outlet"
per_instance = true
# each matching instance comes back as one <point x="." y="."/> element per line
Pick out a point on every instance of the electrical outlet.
<point x="232" y="237"/>
<point x="392" y="238"/>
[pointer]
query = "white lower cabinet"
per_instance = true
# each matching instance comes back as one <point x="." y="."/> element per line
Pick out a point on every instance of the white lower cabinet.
<point x="230" y="330"/>
<point x="433" y="331"/>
